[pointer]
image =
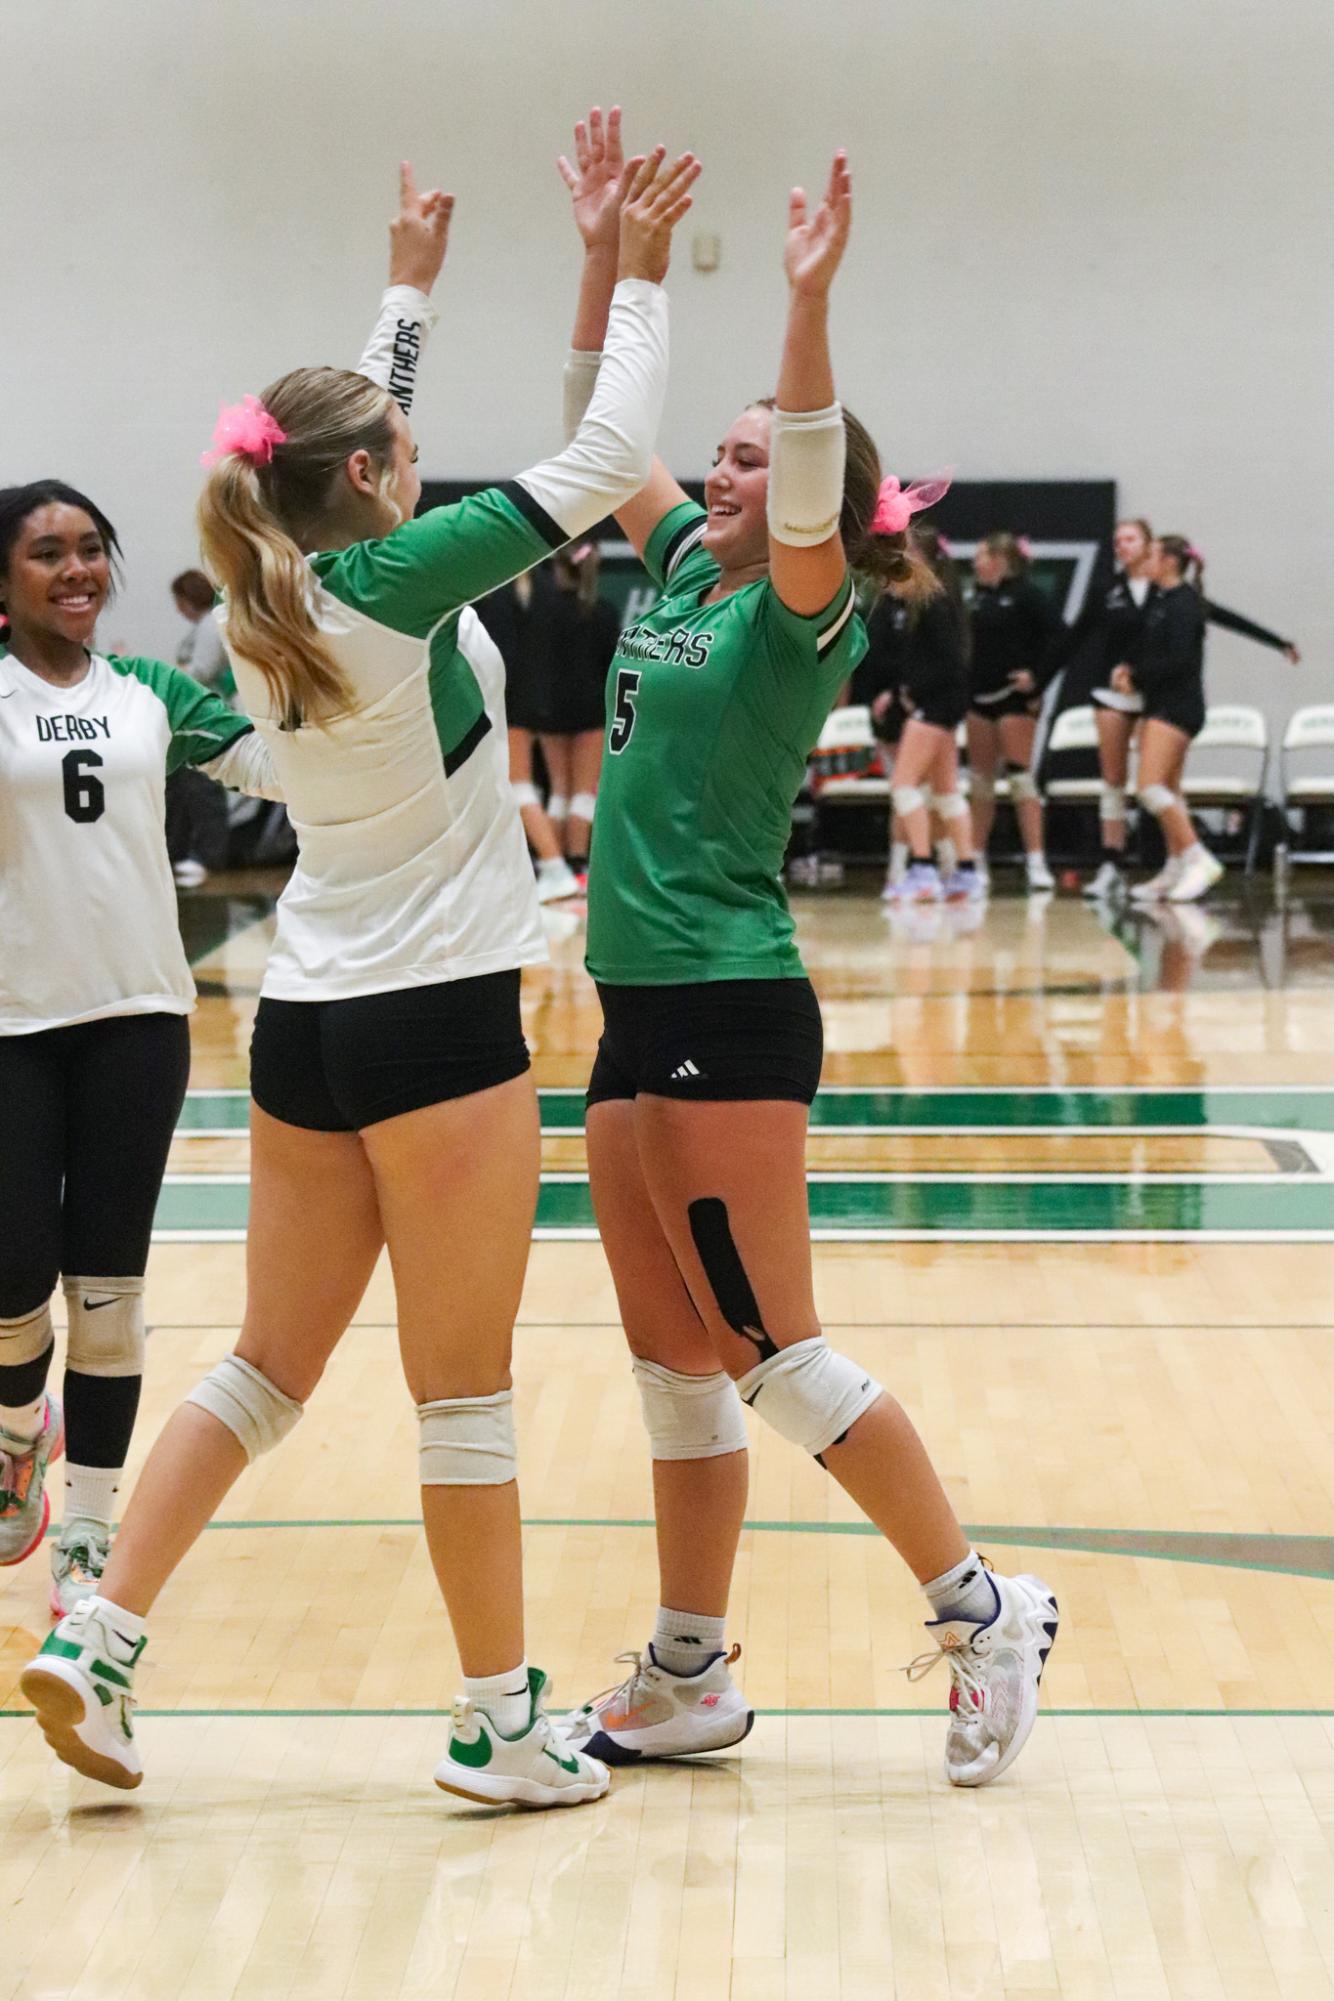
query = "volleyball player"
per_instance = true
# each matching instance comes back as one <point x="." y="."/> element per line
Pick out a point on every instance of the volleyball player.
<point x="711" y="1048"/>
<point x="923" y="644"/>
<point x="1013" y="625"/>
<point x="1168" y="675"/>
<point x="574" y="646"/>
<point x="393" y="1102"/>
<point x="94" y="986"/>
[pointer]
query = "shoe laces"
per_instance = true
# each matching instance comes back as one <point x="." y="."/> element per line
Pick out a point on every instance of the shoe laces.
<point x="16" y="1470"/>
<point x="639" y="1664"/>
<point x="968" y="1688"/>
<point x="84" y="1555"/>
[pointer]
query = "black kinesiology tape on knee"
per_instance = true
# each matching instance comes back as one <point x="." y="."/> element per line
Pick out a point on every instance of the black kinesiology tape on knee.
<point x="726" y="1274"/>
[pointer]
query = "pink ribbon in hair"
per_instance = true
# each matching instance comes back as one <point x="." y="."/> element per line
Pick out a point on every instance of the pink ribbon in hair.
<point x="1025" y="548"/>
<point x="898" y="504"/>
<point x="1195" y="555"/>
<point x="245" y="427"/>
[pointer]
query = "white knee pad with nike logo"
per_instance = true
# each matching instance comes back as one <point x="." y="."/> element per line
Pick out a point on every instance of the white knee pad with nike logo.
<point x="468" y="1441"/>
<point x="106" y="1326"/>
<point x="689" y="1417"/>
<point x="809" y="1393"/>
<point x="254" y="1410"/>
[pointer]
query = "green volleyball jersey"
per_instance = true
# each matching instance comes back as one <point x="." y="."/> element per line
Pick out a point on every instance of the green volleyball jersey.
<point x="712" y="710"/>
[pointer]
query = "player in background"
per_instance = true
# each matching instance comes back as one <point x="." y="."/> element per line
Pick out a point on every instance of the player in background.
<point x="393" y="1103"/>
<point x="711" y="1048"/>
<point x="1013" y="625"/>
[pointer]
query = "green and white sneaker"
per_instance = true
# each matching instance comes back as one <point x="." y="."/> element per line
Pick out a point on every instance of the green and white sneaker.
<point x="81" y="1685"/>
<point x="537" y="1768"/>
<point x="78" y="1558"/>
<point x="656" y="1714"/>
<point x="25" y="1505"/>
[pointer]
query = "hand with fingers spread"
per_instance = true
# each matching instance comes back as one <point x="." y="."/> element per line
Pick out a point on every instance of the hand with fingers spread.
<point x="595" y="180"/>
<point x="654" y="198"/>
<point x="815" y="243"/>
<point x="419" y="233"/>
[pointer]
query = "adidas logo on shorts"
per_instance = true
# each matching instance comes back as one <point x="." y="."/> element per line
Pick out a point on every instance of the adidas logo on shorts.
<point x="684" y="1070"/>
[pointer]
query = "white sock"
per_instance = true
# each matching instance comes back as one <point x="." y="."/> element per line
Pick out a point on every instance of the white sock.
<point x="126" y="1626"/>
<point x="966" y="1592"/>
<point x="24" y="1421"/>
<point x="685" y="1642"/>
<point x="504" y="1697"/>
<point x="1036" y="858"/>
<point x="1196" y="852"/>
<point x="552" y="865"/>
<point x="90" y="1493"/>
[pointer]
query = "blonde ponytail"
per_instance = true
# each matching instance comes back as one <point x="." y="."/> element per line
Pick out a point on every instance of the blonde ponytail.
<point x="253" y="519"/>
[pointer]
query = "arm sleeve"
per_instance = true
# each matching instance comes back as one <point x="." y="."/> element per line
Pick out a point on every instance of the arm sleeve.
<point x="416" y="577"/>
<point x="245" y="766"/>
<point x="581" y="379"/>
<point x="1232" y="621"/>
<point x="394" y="349"/>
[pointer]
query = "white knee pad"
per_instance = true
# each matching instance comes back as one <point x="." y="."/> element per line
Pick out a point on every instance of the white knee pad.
<point x="951" y="805"/>
<point x="1112" y="803"/>
<point x="809" y="1393"/>
<point x="468" y="1441"/>
<point x="583" y="806"/>
<point x="1157" y="799"/>
<point x="982" y="784"/>
<point x="253" y="1409"/>
<point x="524" y="793"/>
<point x="907" y="799"/>
<point x="1023" y="785"/>
<point x="558" y="806"/>
<point x="690" y="1417"/>
<point x="106" y="1326"/>
<point x="27" y="1338"/>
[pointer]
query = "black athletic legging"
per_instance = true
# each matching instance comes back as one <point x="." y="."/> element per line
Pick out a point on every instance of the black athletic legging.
<point x="86" y="1119"/>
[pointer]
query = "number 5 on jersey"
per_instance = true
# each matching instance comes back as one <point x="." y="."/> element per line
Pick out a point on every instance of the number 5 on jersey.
<point x="624" y="714"/>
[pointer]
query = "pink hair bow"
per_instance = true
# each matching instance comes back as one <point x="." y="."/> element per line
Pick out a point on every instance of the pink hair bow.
<point x="1195" y="555"/>
<point x="898" y="504"/>
<point x="1025" y="548"/>
<point x="245" y="427"/>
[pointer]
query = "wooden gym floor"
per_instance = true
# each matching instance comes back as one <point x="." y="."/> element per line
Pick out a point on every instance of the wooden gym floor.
<point x="1073" y="1185"/>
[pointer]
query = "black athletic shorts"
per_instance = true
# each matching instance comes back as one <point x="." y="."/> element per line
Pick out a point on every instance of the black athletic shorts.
<point x="336" y="1066"/>
<point x="944" y="704"/>
<point x="1013" y="702"/>
<point x="1183" y="708"/>
<point x="717" y="1040"/>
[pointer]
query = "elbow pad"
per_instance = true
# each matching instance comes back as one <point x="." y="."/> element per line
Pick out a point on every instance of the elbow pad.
<point x="806" y="457"/>
<point x="581" y="379"/>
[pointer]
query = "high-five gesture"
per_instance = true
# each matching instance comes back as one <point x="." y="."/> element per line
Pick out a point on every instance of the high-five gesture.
<point x="815" y="243"/>
<point x="654" y="198"/>
<point x="594" y="180"/>
<point x="419" y="233"/>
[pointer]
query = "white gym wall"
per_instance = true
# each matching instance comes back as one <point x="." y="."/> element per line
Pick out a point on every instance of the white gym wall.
<point x="1091" y="240"/>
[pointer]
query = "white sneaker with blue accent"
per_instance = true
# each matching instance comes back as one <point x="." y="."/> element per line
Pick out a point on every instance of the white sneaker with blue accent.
<point x="995" y="1668"/>
<point x="536" y="1768"/>
<point x="81" y="1685"/>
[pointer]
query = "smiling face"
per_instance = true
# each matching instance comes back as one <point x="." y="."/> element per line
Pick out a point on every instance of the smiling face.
<point x="736" y="493"/>
<point x="58" y="576"/>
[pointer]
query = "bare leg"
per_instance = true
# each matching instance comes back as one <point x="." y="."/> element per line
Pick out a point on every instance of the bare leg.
<point x="1115" y="730"/>
<point x="983" y="755"/>
<point x="457" y="1186"/>
<point x="752" y="1158"/>
<point x="1162" y="761"/>
<point x="559" y="756"/>
<point x="944" y="777"/>
<point x="303" y="1284"/>
<point x="913" y="760"/>
<point x="1017" y="736"/>
<point x="699" y="1504"/>
<point x="586" y="769"/>
<point x="537" y="827"/>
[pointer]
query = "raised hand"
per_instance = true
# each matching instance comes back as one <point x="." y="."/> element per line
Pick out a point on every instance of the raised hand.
<point x="594" y="180"/>
<point x="419" y="233"/>
<point x="815" y="244"/>
<point x="654" y="197"/>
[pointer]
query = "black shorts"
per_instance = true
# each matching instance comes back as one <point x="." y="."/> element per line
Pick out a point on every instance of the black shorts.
<point x="1010" y="702"/>
<point x="1183" y="708"/>
<point x="338" y="1065"/>
<point x="944" y="704"/>
<point x="717" y="1040"/>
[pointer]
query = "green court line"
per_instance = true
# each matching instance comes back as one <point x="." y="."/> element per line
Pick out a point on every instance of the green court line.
<point x="334" y="1715"/>
<point x="1279" y="1209"/>
<point x="962" y="1110"/>
<point x="1280" y="1554"/>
